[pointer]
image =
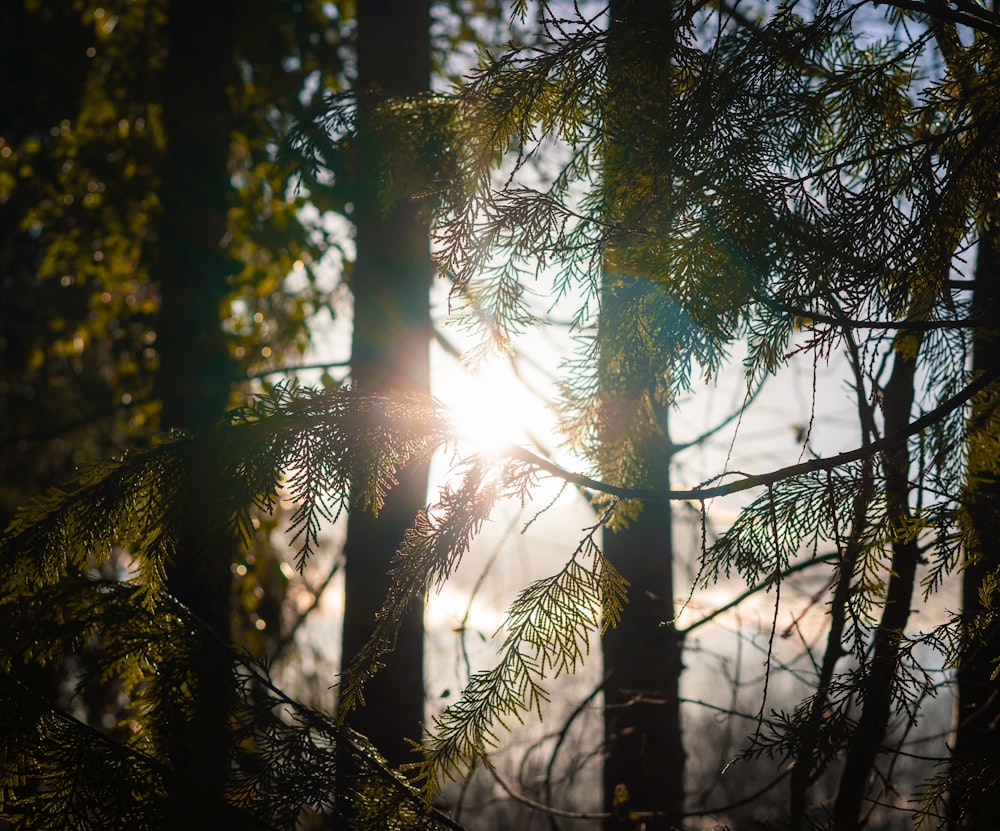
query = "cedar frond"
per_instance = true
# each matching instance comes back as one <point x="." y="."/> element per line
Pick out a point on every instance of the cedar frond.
<point x="547" y="634"/>
<point x="431" y="550"/>
<point x="286" y="760"/>
<point x="807" y="510"/>
<point x="331" y="449"/>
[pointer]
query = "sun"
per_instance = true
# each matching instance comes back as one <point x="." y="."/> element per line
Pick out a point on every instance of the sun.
<point x="491" y="408"/>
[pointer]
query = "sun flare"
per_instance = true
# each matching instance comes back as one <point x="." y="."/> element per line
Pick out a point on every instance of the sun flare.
<point x="491" y="408"/>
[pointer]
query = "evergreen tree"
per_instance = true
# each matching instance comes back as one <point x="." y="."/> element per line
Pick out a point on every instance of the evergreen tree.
<point x="83" y="159"/>
<point x="797" y="182"/>
<point x="282" y="762"/>
<point x="391" y="283"/>
<point x="974" y="763"/>
<point x="220" y="94"/>
<point x="146" y="249"/>
<point x="643" y="751"/>
<point x="192" y="271"/>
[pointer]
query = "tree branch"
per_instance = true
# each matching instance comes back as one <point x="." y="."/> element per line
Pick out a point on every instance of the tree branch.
<point x="287" y="370"/>
<point x="761" y="586"/>
<point x="813" y="465"/>
<point x="979" y="19"/>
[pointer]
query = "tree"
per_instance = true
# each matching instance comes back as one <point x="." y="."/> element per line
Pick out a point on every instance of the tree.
<point x="83" y="160"/>
<point x="219" y="101"/>
<point x="391" y="284"/>
<point x="48" y="341"/>
<point x="283" y="761"/>
<point x="119" y="195"/>
<point x="782" y="218"/>
<point x="139" y="320"/>
<point x="973" y="764"/>
<point x="372" y="155"/>
<point x="643" y="750"/>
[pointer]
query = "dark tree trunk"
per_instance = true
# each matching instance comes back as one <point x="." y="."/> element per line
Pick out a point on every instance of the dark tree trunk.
<point x="190" y="261"/>
<point x="194" y="376"/>
<point x="643" y="751"/>
<point x="880" y="674"/>
<point x="642" y="664"/>
<point x="975" y="797"/>
<point x="390" y="283"/>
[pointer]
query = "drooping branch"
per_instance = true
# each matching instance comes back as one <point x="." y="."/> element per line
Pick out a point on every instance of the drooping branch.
<point x="763" y="480"/>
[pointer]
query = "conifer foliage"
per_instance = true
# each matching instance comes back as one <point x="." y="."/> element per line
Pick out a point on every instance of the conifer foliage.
<point x="323" y="450"/>
<point x="801" y="181"/>
<point x="798" y="180"/>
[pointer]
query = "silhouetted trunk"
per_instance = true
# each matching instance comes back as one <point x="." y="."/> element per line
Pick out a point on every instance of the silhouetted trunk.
<point x="390" y="283"/>
<point x="975" y="761"/>
<point x="643" y="752"/>
<point x="880" y="674"/>
<point x="642" y="664"/>
<point x="193" y="380"/>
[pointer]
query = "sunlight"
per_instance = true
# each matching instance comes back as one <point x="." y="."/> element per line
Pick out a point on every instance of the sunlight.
<point x="491" y="408"/>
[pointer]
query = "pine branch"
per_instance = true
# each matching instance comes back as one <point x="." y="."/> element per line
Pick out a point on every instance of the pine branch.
<point x="90" y="780"/>
<point x="340" y="448"/>
<point x="966" y="14"/>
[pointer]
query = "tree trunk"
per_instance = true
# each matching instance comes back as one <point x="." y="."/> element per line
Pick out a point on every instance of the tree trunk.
<point x="194" y="377"/>
<point x="975" y="761"/>
<point x="880" y="676"/>
<point x="644" y="755"/>
<point x="390" y="351"/>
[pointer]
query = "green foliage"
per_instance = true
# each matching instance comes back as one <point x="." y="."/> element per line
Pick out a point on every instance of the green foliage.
<point x="547" y="632"/>
<point x="286" y="761"/>
<point x="82" y="153"/>
<point x="807" y="182"/>
<point x="322" y="450"/>
<point x="337" y="447"/>
<point x="792" y="516"/>
<point x="793" y="203"/>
